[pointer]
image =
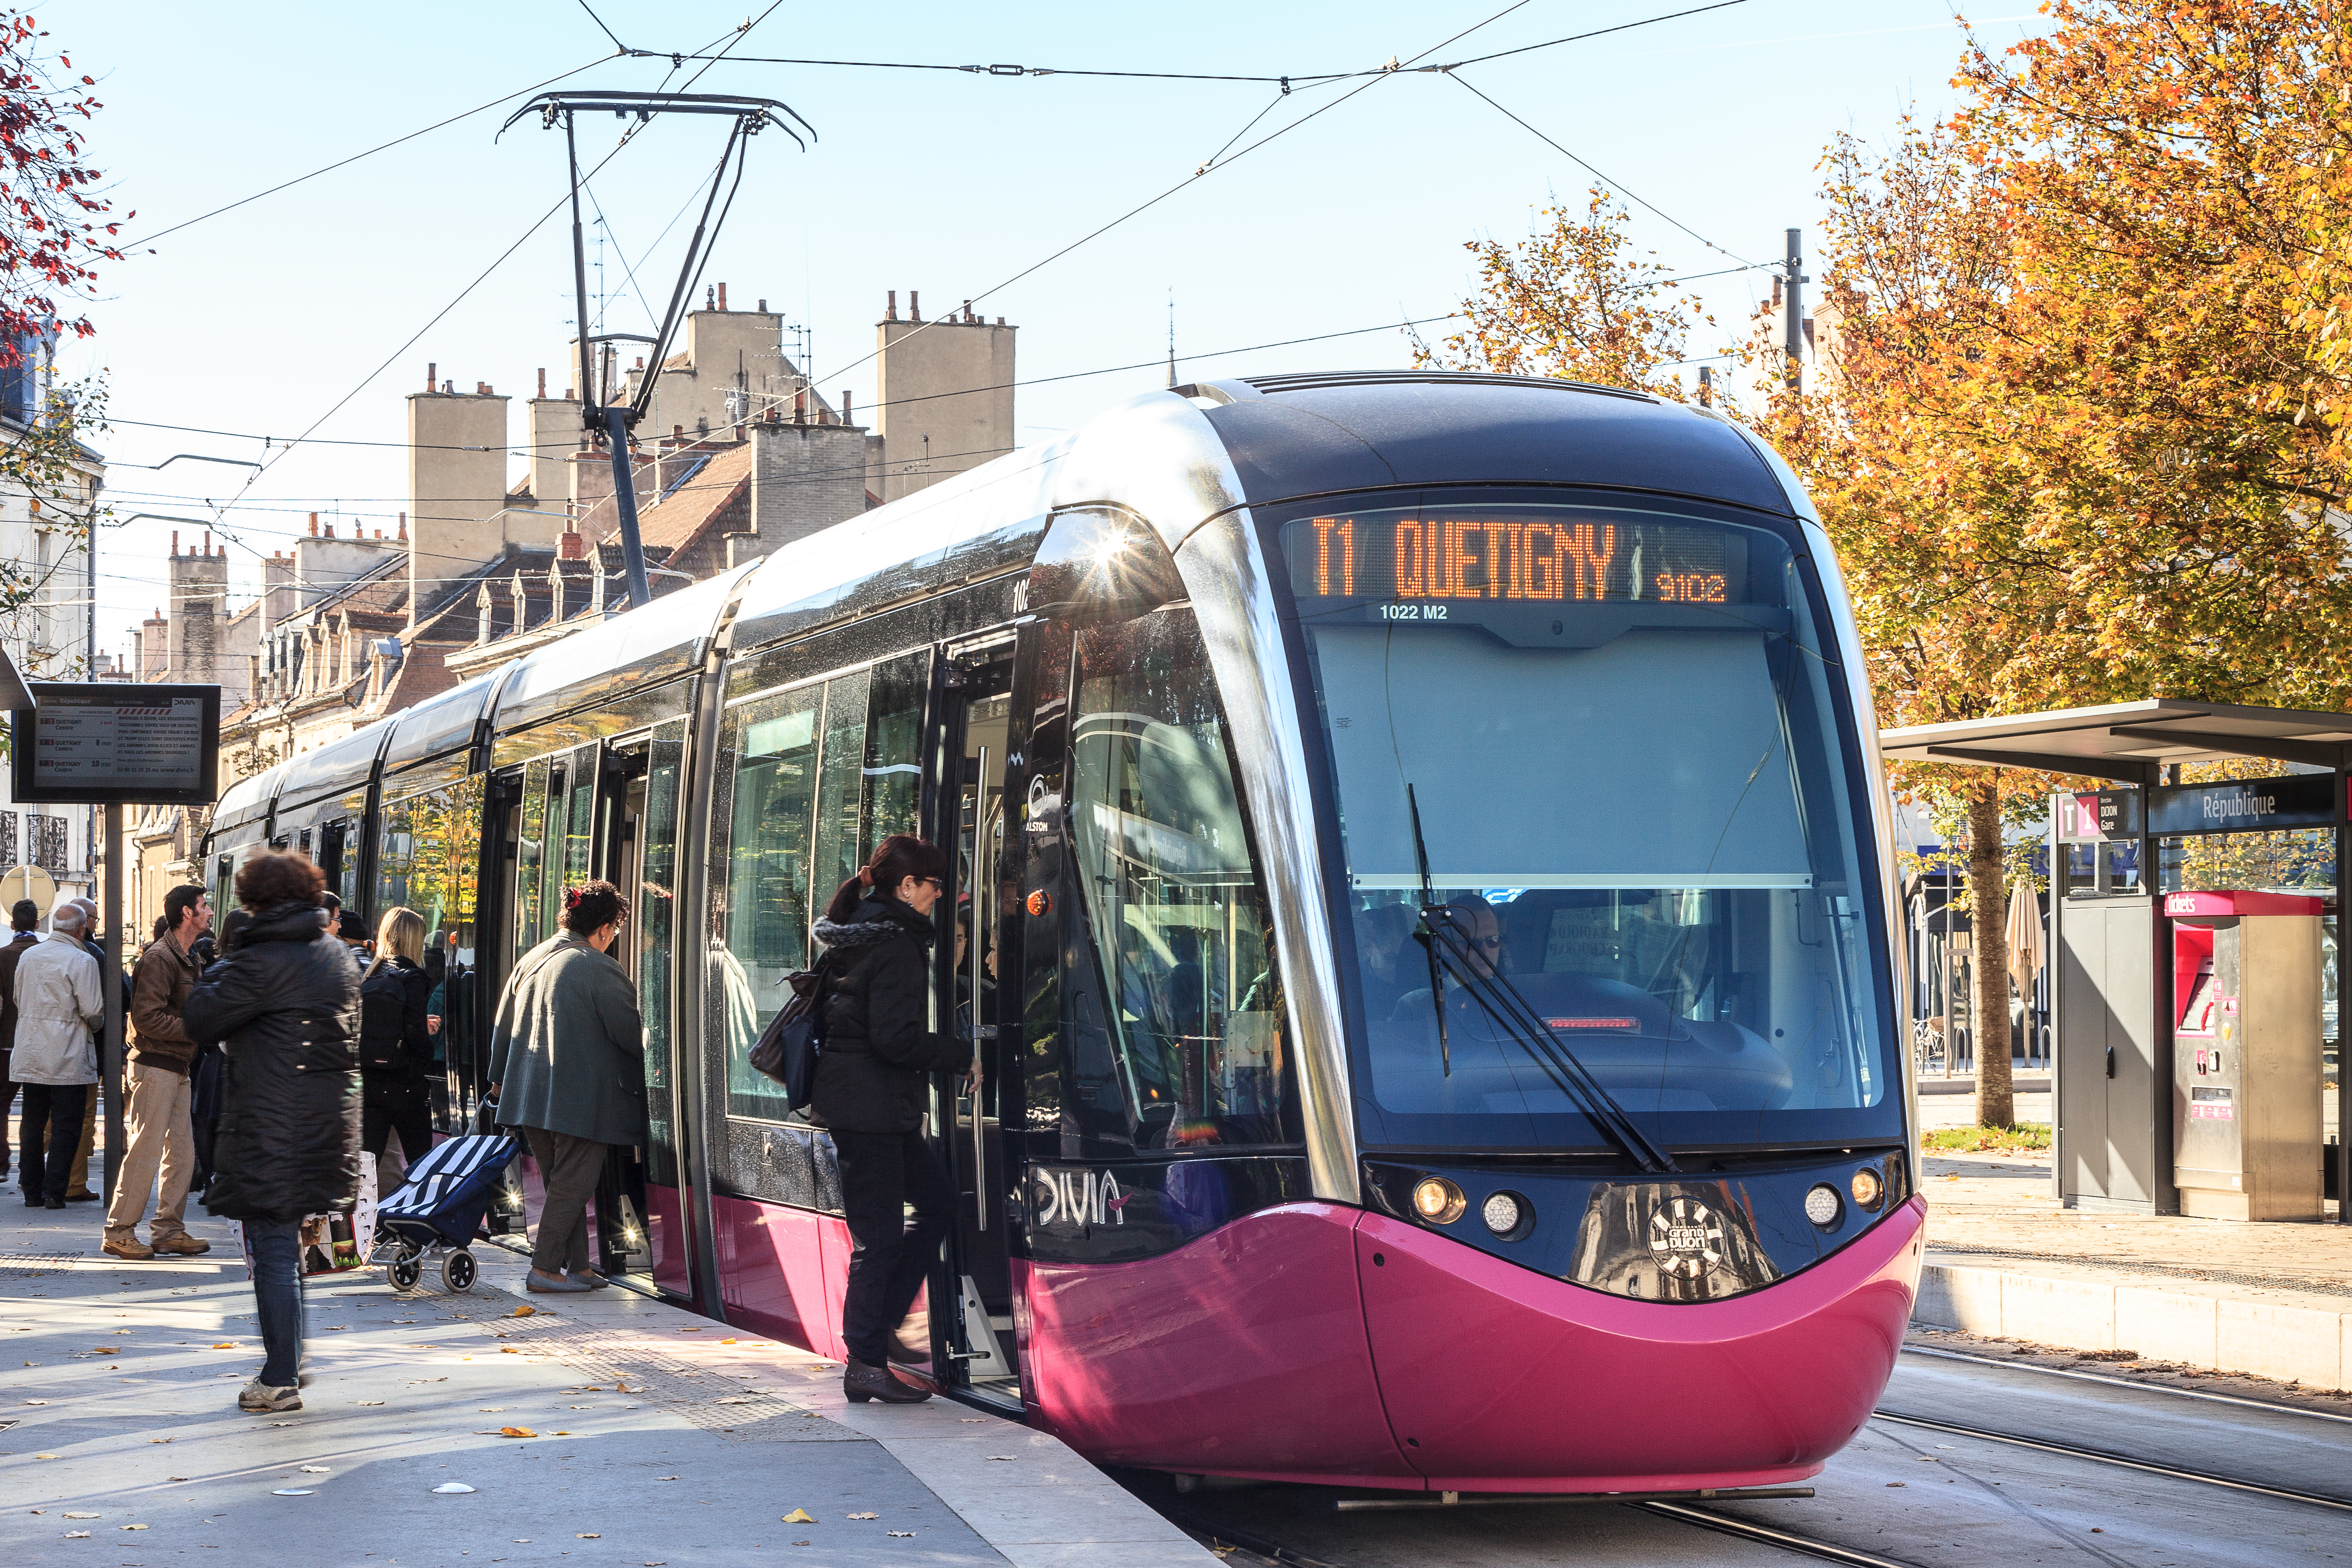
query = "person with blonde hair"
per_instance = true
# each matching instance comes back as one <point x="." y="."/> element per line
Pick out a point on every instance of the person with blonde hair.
<point x="396" y="1041"/>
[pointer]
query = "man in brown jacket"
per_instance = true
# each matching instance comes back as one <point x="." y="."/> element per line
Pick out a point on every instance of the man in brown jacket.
<point x="155" y="1090"/>
<point x="25" y="917"/>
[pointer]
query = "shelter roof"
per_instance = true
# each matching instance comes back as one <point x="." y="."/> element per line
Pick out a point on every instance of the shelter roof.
<point x="2129" y="741"/>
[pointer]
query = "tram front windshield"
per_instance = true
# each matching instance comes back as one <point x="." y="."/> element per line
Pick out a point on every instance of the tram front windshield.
<point x="1611" y="734"/>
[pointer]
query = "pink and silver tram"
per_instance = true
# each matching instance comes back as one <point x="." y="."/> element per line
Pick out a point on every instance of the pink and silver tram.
<point x="1424" y="915"/>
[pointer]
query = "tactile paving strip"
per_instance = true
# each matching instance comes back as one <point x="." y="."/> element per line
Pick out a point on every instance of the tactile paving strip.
<point x="19" y="1264"/>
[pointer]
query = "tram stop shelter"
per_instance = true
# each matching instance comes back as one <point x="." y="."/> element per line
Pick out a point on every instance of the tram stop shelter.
<point x="2145" y="880"/>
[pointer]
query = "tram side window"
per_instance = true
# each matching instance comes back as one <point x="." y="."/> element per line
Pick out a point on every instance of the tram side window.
<point x="656" y="930"/>
<point x="795" y="808"/>
<point x="894" y="740"/>
<point x="839" y="790"/>
<point x="530" y="855"/>
<point x="1179" y="1036"/>
<point x="427" y="860"/>
<point x="759" y="895"/>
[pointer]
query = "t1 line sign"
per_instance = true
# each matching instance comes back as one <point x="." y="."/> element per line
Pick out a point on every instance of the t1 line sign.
<point x="108" y="742"/>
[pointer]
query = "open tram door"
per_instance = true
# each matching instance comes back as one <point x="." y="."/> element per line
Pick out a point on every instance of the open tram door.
<point x="972" y="1342"/>
<point x="639" y="1222"/>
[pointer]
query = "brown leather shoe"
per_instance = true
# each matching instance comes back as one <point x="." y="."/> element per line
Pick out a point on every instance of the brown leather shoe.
<point x="182" y="1246"/>
<point x="129" y="1246"/>
<point x="862" y="1382"/>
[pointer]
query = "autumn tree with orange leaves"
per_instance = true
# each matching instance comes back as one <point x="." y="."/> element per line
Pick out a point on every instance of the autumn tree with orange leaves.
<point x="1574" y="301"/>
<point x="2083" y="408"/>
<point x="2077" y="433"/>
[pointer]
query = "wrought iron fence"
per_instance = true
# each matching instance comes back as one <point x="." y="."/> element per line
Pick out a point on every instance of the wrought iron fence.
<point x="49" y="841"/>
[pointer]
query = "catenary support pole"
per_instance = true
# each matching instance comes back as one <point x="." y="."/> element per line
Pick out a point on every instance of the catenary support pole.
<point x="1793" y="342"/>
<point x="111" y="981"/>
<point x="625" y="496"/>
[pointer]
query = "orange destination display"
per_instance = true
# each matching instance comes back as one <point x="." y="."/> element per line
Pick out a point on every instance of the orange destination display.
<point x="1401" y="565"/>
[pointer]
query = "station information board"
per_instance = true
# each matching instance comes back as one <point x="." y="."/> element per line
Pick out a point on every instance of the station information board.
<point x="110" y="742"/>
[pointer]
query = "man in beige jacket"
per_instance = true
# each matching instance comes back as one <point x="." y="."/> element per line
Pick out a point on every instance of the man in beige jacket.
<point x="155" y="1091"/>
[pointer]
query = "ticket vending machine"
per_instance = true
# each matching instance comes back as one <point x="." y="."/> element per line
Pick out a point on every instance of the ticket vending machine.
<point x="2246" y="1112"/>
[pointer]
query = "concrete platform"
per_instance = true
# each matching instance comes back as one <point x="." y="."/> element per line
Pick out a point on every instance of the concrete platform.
<point x="656" y="1436"/>
<point x="2005" y="1261"/>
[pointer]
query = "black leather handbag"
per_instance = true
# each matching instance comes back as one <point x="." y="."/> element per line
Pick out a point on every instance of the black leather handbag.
<point x="788" y="1049"/>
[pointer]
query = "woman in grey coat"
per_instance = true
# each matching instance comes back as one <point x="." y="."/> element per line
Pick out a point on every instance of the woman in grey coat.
<point x="567" y="1068"/>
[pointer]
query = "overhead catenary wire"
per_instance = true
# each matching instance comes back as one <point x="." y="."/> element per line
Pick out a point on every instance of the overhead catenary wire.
<point x="1293" y="79"/>
<point x="1202" y="172"/>
<point x="526" y="449"/>
<point x="627" y="136"/>
<point x="356" y="157"/>
<point x="1604" y="179"/>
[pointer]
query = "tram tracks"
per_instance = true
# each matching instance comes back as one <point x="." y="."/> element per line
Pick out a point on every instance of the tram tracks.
<point x="2103" y="1457"/>
<point x="1252" y="1542"/>
<point x="1225" y="1539"/>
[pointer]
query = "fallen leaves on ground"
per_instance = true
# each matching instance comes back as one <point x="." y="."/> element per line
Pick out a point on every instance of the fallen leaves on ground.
<point x="77" y="1535"/>
<point x="798" y="1515"/>
<point x="71" y="1515"/>
<point x="129" y="1527"/>
<point x="367" y="1402"/>
<point x="315" y="1470"/>
<point x="517" y="1432"/>
<point x="907" y="1534"/>
<point x="225" y="1345"/>
<point x="526" y="1310"/>
<point x="587" y="1535"/>
<point x="858" y="1516"/>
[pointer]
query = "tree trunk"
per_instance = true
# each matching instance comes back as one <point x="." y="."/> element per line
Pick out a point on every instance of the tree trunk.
<point x="1995" y="1103"/>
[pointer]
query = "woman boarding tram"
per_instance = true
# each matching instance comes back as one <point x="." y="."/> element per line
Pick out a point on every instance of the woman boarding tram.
<point x="870" y="1094"/>
<point x="1444" y="1034"/>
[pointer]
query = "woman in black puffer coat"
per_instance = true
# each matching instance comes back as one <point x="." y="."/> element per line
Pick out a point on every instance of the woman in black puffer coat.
<point x="878" y="1047"/>
<point x="285" y="1006"/>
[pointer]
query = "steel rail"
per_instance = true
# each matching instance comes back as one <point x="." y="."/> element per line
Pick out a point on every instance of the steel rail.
<point x="2114" y="1382"/>
<point x="1826" y="1550"/>
<point x="2071" y="1451"/>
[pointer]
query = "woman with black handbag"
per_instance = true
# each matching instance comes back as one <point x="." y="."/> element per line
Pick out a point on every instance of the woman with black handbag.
<point x="879" y="1048"/>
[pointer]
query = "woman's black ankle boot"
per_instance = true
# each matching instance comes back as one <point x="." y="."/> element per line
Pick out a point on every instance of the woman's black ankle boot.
<point x="862" y="1382"/>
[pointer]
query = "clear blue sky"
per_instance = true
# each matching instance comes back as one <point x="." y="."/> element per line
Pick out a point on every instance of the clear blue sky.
<point x="261" y="320"/>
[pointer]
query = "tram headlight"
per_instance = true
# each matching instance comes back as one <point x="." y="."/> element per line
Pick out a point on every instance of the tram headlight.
<point x="1868" y="1186"/>
<point x="1503" y="1213"/>
<point x="1822" y="1205"/>
<point x="1438" y="1201"/>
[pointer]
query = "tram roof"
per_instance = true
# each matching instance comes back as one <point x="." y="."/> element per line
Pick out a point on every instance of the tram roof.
<point x="2129" y="741"/>
<point x="1307" y="435"/>
<point x="246" y="800"/>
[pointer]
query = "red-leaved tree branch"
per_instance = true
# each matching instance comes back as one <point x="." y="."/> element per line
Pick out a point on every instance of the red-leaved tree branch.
<point x="55" y="226"/>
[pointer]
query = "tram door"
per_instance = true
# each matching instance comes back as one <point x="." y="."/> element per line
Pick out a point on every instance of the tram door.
<point x="976" y="1334"/>
<point x="622" y="1245"/>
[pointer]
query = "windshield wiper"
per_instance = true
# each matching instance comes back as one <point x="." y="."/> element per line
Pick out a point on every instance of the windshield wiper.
<point x="1509" y="1006"/>
<point x="1504" y="1003"/>
<point x="1427" y="937"/>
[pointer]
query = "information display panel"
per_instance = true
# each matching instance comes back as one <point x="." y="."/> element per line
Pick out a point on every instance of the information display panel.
<point x="1555" y="576"/>
<point x="116" y="744"/>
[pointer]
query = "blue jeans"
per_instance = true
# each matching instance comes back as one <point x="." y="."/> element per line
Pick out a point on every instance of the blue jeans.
<point x="278" y="1296"/>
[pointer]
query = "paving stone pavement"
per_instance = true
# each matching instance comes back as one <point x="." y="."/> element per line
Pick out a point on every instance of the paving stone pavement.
<point x="656" y="1436"/>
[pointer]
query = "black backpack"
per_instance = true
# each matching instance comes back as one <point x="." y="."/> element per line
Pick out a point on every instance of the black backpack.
<point x="384" y="1010"/>
<point x="789" y="1047"/>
